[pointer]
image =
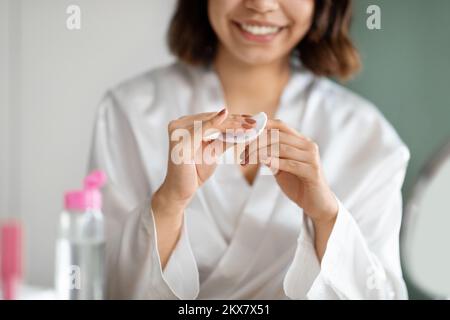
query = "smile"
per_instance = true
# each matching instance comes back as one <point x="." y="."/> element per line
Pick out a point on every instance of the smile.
<point x="259" y="30"/>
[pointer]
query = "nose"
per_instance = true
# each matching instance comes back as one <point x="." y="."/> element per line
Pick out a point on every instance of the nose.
<point x="262" y="6"/>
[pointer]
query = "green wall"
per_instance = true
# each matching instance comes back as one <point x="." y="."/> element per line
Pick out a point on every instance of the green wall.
<point x="406" y="67"/>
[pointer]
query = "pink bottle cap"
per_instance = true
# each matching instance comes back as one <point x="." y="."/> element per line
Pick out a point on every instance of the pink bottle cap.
<point x="11" y="258"/>
<point x="88" y="198"/>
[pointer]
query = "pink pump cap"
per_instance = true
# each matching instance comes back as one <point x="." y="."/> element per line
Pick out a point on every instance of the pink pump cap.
<point x="90" y="197"/>
<point x="11" y="258"/>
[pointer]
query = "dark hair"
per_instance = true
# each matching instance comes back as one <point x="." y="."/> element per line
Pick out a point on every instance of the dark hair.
<point x="326" y="49"/>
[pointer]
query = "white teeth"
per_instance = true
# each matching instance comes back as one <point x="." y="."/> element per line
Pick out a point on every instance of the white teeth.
<point x="260" y="30"/>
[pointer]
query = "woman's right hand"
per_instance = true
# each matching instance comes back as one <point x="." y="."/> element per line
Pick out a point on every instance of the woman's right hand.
<point x="192" y="158"/>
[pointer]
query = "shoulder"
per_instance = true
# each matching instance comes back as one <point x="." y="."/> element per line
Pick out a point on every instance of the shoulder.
<point x="150" y="91"/>
<point x="346" y="107"/>
<point x="167" y="76"/>
<point x="355" y="122"/>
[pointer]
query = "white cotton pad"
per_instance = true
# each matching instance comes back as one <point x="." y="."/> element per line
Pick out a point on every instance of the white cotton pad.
<point x="249" y="135"/>
<point x="242" y="136"/>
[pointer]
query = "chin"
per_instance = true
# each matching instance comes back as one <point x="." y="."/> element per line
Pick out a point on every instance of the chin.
<point x="257" y="58"/>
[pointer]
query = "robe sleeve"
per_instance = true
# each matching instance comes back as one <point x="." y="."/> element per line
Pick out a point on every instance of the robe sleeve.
<point x="133" y="267"/>
<point x="362" y="259"/>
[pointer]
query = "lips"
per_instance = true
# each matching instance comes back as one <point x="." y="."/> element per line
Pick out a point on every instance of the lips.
<point x="259" y="30"/>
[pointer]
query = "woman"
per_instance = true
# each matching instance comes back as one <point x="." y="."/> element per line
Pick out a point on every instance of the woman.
<point x="318" y="219"/>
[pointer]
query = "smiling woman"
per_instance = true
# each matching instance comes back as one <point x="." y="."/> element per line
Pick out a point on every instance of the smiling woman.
<point x="317" y="34"/>
<point x="311" y="208"/>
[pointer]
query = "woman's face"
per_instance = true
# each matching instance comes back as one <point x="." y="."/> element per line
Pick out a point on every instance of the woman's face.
<point x="260" y="31"/>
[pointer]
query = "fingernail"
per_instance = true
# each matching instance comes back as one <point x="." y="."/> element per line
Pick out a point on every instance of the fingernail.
<point x="247" y="126"/>
<point x="250" y="120"/>
<point x="222" y="112"/>
<point x="244" y="154"/>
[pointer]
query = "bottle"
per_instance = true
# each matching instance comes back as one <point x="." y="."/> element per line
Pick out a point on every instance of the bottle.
<point x="10" y="259"/>
<point x="80" y="248"/>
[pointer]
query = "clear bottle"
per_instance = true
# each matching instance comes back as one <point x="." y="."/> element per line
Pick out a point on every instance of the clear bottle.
<point x="80" y="248"/>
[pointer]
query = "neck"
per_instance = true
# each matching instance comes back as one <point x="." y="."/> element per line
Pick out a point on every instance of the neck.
<point x="250" y="89"/>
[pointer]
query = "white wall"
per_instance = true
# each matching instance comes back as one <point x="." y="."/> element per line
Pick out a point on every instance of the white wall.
<point x="4" y="110"/>
<point x="59" y="77"/>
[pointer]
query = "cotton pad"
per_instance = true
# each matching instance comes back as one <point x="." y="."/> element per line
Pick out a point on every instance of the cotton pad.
<point x="241" y="136"/>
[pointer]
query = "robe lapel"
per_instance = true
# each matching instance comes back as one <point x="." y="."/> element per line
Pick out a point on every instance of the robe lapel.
<point x="251" y="224"/>
<point x="263" y="197"/>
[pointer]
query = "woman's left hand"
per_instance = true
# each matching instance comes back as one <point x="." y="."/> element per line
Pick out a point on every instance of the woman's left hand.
<point x="295" y="161"/>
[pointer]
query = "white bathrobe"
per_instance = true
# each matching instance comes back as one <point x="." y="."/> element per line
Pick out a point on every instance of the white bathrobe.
<point x="241" y="241"/>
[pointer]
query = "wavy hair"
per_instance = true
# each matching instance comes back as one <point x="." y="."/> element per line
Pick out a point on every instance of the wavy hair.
<point x="326" y="49"/>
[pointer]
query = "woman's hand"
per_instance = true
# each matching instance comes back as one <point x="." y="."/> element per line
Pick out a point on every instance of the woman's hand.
<point x="295" y="161"/>
<point x="192" y="159"/>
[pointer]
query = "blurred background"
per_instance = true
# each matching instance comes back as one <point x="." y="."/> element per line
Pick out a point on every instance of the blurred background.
<point x="51" y="80"/>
